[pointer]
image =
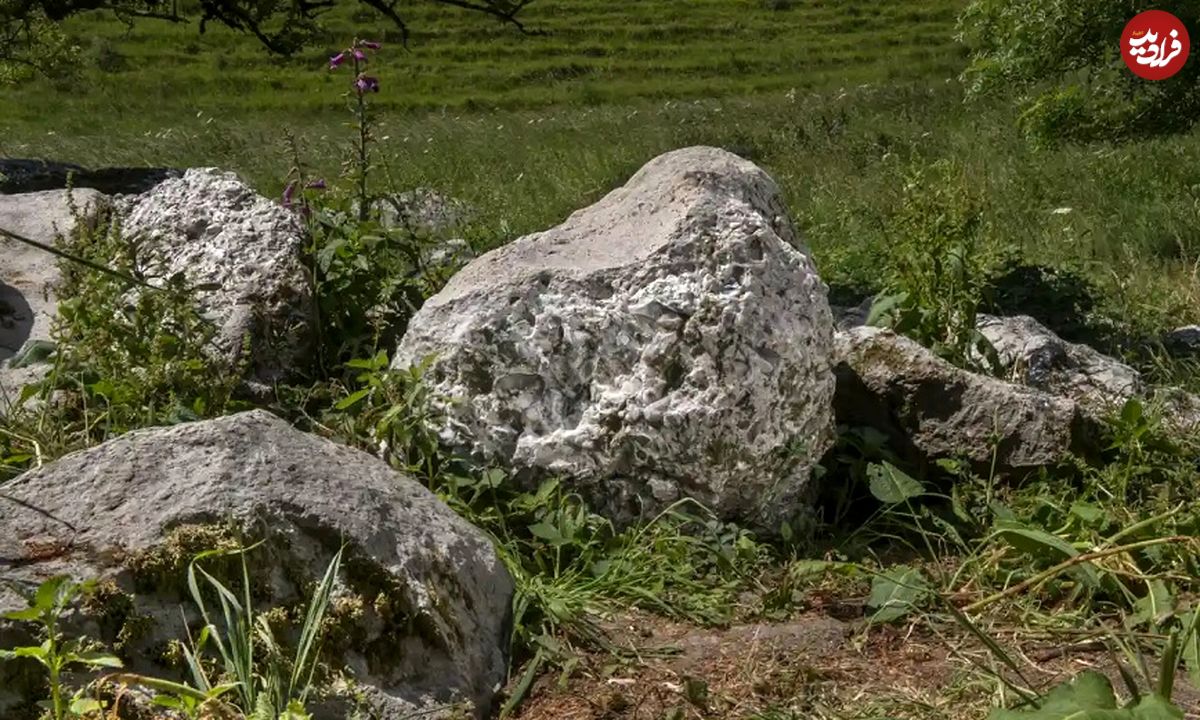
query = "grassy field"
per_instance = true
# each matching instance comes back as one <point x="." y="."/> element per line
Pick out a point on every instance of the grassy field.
<point x="841" y="102"/>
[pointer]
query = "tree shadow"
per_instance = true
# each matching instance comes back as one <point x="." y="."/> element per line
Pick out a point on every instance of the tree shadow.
<point x="16" y="321"/>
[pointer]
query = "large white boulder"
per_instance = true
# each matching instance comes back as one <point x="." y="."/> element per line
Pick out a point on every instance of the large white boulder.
<point x="672" y="340"/>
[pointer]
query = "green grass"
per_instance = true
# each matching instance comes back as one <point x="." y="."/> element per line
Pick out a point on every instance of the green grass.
<point x="588" y="52"/>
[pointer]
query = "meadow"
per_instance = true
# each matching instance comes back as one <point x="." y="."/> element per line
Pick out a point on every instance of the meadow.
<point x="843" y="102"/>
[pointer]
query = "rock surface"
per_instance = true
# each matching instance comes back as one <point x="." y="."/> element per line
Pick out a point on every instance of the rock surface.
<point x="424" y="211"/>
<point x="29" y="276"/>
<point x="422" y="607"/>
<point x="220" y="232"/>
<point x="672" y="340"/>
<point x="932" y="409"/>
<point x="1038" y="358"/>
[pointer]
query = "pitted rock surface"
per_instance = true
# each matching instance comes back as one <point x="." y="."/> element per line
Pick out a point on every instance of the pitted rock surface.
<point x="212" y="226"/>
<point x="672" y="340"/>
<point x="433" y="600"/>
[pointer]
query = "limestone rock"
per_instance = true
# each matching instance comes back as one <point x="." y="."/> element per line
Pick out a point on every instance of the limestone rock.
<point x="29" y="276"/>
<point x="932" y="409"/>
<point x="1040" y="359"/>
<point x="424" y="211"/>
<point x="222" y="233"/>
<point x="422" y="606"/>
<point x="672" y="340"/>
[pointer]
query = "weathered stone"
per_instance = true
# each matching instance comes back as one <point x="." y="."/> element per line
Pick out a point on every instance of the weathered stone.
<point x="931" y="409"/>
<point x="672" y="340"/>
<point x="1037" y="357"/>
<point x="421" y="611"/>
<point x="221" y="233"/>
<point x="29" y="276"/>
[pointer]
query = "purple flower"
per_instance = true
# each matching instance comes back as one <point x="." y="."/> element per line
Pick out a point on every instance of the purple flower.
<point x="370" y="45"/>
<point x="288" y="193"/>
<point x="337" y="60"/>
<point x="359" y="55"/>
<point x="318" y="184"/>
<point x="365" y="83"/>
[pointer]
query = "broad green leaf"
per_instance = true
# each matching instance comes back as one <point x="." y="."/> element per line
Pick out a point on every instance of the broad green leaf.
<point x="1190" y="652"/>
<point x="1156" y="607"/>
<point x="31" y="353"/>
<point x="1077" y="699"/>
<point x="51" y="592"/>
<point x="40" y="653"/>
<point x="889" y="484"/>
<point x="28" y="614"/>
<point x="85" y="705"/>
<point x="882" y="306"/>
<point x="1044" y="546"/>
<point x="352" y="398"/>
<point x="896" y="593"/>
<point x="546" y="532"/>
<point x="1089" y="696"/>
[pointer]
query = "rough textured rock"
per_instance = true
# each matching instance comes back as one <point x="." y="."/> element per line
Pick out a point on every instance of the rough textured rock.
<point x="672" y="340"/>
<point x="1040" y="359"/>
<point x="421" y="612"/>
<point x="28" y="276"/>
<point x="24" y="176"/>
<point x="932" y="409"/>
<point x="211" y="225"/>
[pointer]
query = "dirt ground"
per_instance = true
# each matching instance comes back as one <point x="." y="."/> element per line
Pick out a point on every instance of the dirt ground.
<point x="812" y="666"/>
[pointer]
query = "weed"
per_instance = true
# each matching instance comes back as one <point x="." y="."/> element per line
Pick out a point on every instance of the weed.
<point x="940" y="266"/>
<point x="57" y="653"/>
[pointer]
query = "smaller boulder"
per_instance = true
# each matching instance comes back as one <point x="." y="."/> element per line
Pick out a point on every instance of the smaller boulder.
<point x="1038" y="358"/>
<point x="29" y="278"/>
<point x="245" y="250"/>
<point x="931" y="409"/>
<point x="425" y="212"/>
<point x="421" y="611"/>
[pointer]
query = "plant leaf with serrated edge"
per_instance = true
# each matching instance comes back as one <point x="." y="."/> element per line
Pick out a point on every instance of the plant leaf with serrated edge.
<point x="889" y="484"/>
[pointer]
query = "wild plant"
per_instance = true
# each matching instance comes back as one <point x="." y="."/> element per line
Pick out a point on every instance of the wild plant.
<point x="939" y="265"/>
<point x="268" y="685"/>
<point x="367" y="277"/>
<point x="57" y="653"/>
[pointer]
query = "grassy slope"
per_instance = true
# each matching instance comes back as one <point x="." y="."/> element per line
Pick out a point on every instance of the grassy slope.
<point x="836" y="99"/>
<point x="592" y="52"/>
